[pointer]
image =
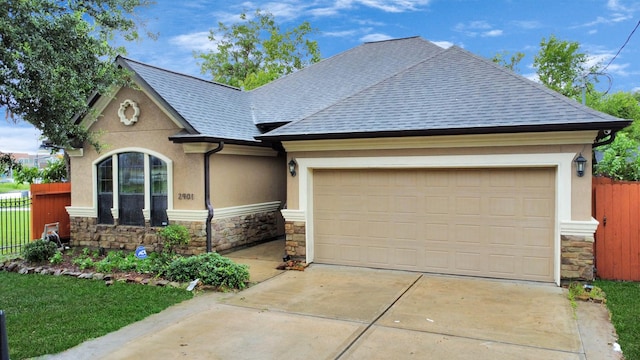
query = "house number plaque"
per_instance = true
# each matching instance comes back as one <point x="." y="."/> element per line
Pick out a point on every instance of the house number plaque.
<point x="185" y="196"/>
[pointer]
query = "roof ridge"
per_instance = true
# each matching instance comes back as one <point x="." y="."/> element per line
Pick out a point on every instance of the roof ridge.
<point x="572" y="102"/>
<point x="371" y="85"/>
<point x="339" y="55"/>
<point x="176" y="73"/>
<point x="393" y="39"/>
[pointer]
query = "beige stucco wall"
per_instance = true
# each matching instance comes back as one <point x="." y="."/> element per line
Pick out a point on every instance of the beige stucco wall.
<point x="150" y="132"/>
<point x="244" y="180"/>
<point x="235" y="179"/>
<point x="580" y="186"/>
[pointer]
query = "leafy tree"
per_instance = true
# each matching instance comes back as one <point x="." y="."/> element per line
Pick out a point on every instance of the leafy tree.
<point x="55" y="54"/>
<point x="255" y="51"/>
<point x="26" y="174"/>
<point x="56" y="171"/>
<point x="8" y="162"/>
<point x="620" y="104"/>
<point x="620" y="159"/>
<point x="512" y="62"/>
<point x="562" y="67"/>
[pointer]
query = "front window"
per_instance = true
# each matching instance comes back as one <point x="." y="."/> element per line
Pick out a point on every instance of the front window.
<point x="131" y="188"/>
<point x="140" y="181"/>
<point x="105" y="191"/>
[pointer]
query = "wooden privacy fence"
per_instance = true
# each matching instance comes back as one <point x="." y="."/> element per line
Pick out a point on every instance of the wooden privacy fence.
<point x="616" y="205"/>
<point x="48" y="206"/>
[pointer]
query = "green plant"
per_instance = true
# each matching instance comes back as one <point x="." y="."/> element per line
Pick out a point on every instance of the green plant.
<point x="56" y="171"/>
<point x="56" y="258"/>
<point x="39" y="250"/>
<point x="578" y="291"/>
<point x="174" y="235"/>
<point x="211" y="268"/>
<point x="83" y="262"/>
<point x="26" y="175"/>
<point x="117" y="260"/>
<point x="621" y="160"/>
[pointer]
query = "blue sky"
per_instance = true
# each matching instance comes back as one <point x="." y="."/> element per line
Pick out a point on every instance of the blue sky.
<point x="484" y="27"/>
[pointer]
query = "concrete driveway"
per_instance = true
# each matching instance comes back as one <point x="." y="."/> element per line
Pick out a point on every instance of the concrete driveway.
<point x="333" y="312"/>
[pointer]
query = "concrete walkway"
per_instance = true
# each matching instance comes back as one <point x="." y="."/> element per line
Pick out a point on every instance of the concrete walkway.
<point x="334" y="312"/>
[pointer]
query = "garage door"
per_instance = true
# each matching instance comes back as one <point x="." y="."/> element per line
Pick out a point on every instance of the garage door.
<point x="482" y="222"/>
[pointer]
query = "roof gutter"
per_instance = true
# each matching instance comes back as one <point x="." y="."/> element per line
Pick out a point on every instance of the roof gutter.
<point x="614" y="126"/>
<point x="207" y="191"/>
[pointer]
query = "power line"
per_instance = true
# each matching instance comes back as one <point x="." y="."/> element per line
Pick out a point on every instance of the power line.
<point x="622" y="47"/>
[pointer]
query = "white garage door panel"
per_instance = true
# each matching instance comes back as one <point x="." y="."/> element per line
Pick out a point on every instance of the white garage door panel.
<point x="484" y="222"/>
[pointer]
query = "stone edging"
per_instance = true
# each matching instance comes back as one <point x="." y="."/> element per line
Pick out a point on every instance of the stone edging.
<point x="109" y="279"/>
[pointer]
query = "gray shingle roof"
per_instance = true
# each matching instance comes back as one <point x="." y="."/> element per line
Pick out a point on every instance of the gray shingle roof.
<point x="451" y="92"/>
<point x="207" y="108"/>
<point x="390" y="88"/>
<point x="321" y="85"/>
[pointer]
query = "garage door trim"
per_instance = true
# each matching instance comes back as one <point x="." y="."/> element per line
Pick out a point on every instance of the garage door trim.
<point x="563" y="163"/>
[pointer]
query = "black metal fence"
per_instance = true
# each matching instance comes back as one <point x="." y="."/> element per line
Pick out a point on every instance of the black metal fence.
<point x="15" y="224"/>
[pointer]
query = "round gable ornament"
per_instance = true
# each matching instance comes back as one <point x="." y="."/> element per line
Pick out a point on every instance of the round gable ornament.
<point x="123" y="109"/>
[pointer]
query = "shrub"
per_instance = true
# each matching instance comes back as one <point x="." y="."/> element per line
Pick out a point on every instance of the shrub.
<point x="174" y="235"/>
<point x="39" y="250"/>
<point x="211" y="268"/>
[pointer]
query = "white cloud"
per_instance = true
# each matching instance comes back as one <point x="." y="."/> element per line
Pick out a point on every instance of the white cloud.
<point x="492" y="33"/>
<point x="390" y="6"/>
<point x="478" y="27"/>
<point x="527" y="24"/>
<point x="618" y="13"/>
<point x="444" y="44"/>
<point x="532" y="77"/>
<point x="198" y="41"/>
<point x="344" y="33"/>
<point x="19" y="138"/>
<point x="375" y="37"/>
<point x="614" y="5"/>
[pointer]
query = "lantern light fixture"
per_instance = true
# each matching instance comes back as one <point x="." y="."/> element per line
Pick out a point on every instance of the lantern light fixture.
<point x="292" y="167"/>
<point x="581" y="163"/>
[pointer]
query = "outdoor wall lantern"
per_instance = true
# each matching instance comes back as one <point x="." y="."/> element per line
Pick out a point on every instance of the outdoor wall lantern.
<point x="581" y="162"/>
<point x="292" y="167"/>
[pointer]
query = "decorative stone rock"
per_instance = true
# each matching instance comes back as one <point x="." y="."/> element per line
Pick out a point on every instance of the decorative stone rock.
<point x="162" y="282"/>
<point x="98" y="276"/>
<point x="85" y="276"/>
<point x="23" y="271"/>
<point x="174" y="284"/>
<point x="108" y="282"/>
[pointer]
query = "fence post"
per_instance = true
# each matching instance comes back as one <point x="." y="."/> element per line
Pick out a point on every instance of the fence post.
<point x="4" y="339"/>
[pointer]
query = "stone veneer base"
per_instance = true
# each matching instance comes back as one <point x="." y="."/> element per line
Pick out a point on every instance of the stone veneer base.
<point x="227" y="233"/>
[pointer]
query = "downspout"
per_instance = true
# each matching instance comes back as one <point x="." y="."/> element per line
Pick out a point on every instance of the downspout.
<point x="608" y="141"/>
<point x="207" y="191"/>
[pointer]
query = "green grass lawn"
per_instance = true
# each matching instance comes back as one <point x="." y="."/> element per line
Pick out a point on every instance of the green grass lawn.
<point x="623" y="301"/>
<point x="47" y="314"/>
<point x="11" y="187"/>
<point x="15" y="227"/>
